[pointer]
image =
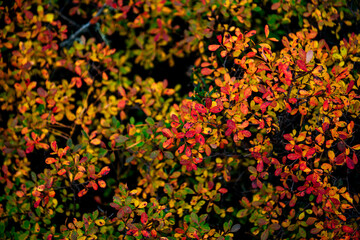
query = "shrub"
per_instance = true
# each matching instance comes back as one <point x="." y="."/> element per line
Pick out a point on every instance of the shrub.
<point x="96" y="143"/>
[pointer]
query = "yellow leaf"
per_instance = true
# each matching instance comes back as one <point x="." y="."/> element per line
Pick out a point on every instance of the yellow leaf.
<point x="49" y="17"/>
<point x="347" y="197"/>
<point x="142" y="205"/>
<point x="356" y="147"/>
<point x="100" y="222"/>
<point x="95" y="141"/>
<point x="136" y="202"/>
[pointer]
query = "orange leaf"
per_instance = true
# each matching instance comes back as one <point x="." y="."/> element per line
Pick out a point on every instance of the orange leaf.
<point x="206" y="71"/>
<point x="78" y="176"/>
<point x="167" y="143"/>
<point x="101" y="183"/>
<point x="50" y="160"/>
<point x="167" y="133"/>
<point x="82" y="192"/>
<point x="213" y="47"/>
<point x="266" y="31"/>
<point x="273" y="39"/>
<point x="250" y="33"/>
<point x="54" y="146"/>
<point x="61" y="172"/>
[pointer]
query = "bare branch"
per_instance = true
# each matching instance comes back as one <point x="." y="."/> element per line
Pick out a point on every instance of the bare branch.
<point x="80" y="30"/>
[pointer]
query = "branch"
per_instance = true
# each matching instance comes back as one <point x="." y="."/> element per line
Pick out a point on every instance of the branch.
<point x="83" y="27"/>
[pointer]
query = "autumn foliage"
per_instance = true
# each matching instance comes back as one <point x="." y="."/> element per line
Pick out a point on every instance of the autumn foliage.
<point x="260" y="140"/>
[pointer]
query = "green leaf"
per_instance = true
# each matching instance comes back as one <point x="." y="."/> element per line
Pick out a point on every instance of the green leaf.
<point x="265" y="234"/>
<point x="69" y="143"/>
<point x="24" y="235"/>
<point x="33" y="176"/>
<point x="154" y="154"/>
<point x="194" y="218"/>
<point x="102" y="152"/>
<point x="226" y="226"/>
<point x="121" y="139"/>
<point x="77" y="147"/>
<point x="129" y="159"/>
<point x="95" y="214"/>
<point x="85" y="134"/>
<point x="242" y="213"/>
<point x="132" y="120"/>
<point x="150" y="121"/>
<point x="26" y="224"/>
<point x="121" y="226"/>
<point x="2" y="227"/>
<point x="169" y="155"/>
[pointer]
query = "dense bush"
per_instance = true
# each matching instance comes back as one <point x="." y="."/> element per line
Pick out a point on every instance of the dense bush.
<point x="180" y="119"/>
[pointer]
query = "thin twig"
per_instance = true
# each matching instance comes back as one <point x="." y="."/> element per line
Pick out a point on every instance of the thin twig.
<point x="83" y="27"/>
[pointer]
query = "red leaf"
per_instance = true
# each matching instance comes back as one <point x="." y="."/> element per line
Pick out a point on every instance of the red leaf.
<point x="246" y="133"/>
<point x="249" y="55"/>
<point x="104" y="171"/>
<point x="293" y="156"/>
<point x="200" y="108"/>
<point x="350" y="163"/>
<point x="213" y="47"/>
<point x="42" y="92"/>
<point x="326" y="105"/>
<point x="188" y="151"/>
<point x="200" y="139"/>
<point x="355" y="159"/>
<point x="223" y="190"/>
<point x="301" y="65"/>
<point x="190" y="134"/>
<point x="219" y="38"/>
<point x="244" y="108"/>
<point x="181" y="148"/>
<point x="347" y="229"/>
<point x="216" y="109"/>
<point x="54" y="146"/>
<point x="208" y="103"/>
<point x="350" y="86"/>
<point x="231" y="124"/>
<point x="188" y="125"/>
<point x="288" y="137"/>
<point x="37" y="203"/>
<point x="144" y="218"/>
